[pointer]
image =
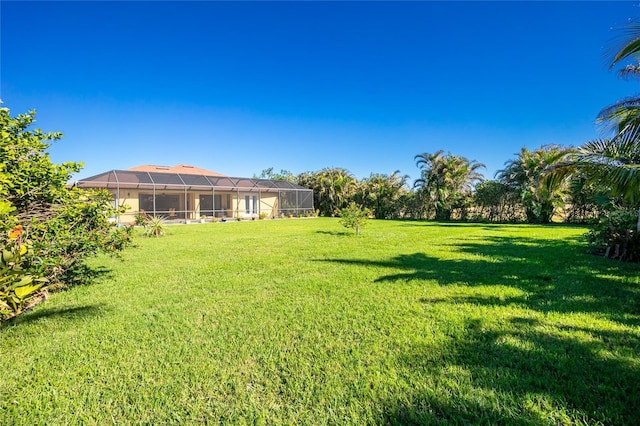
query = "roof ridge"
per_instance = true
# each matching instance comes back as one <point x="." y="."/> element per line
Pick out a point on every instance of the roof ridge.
<point x="186" y="169"/>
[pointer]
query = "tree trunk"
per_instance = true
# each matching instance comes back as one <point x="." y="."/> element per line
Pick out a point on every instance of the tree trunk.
<point x="638" y="226"/>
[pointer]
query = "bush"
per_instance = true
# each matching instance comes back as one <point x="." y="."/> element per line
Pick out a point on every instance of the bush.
<point x="615" y="235"/>
<point x="140" y="219"/>
<point x="17" y="286"/>
<point x="154" y="226"/>
<point x="58" y="227"/>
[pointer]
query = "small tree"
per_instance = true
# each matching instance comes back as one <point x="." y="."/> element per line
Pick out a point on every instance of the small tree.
<point x="354" y="216"/>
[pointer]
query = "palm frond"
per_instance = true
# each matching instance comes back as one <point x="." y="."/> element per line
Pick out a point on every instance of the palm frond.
<point x="630" y="46"/>
<point x="629" y="72"/>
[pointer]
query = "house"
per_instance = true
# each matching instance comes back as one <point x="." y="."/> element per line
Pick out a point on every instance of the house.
<point x="185" y="193"/>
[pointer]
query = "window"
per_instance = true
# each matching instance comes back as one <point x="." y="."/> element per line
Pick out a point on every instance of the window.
<point x="164" y="203"/>
<point x="222" y="201"/>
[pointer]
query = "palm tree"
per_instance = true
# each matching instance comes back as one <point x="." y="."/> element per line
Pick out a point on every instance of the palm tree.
<point x="624" y="115"/>
<point x="446" y="180"/>
<point x="381" y="193"/>
<point x="610" y="164"/>
<point x="524" y="175"/>
<point x="614" y="162"/>
<point x="333" y="188"/>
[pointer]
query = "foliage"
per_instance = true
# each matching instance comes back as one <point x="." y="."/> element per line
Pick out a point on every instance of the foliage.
<point x="155" y="226"/>
<point x="64" y="235"/>
<point x="616" y="161"/>
<point x="411" y="323"/>
<point x="610" y="167"/>
<point x="270" y="174"/>
<point x="333" y="189"/>
<point x="28" y="176"/>
<point x="446" y="181"/>
<point x="495" y="202"/>
<point x="354" y="216"/>
<point x="584" y="201"/>
<point x="615" y="235"/>
<point x="17" y="286"/>
<point x="524" y="175"/>
<point x="410" y="206"/>
<point x="140" y="219"/>
<point x="63" y="226"/>
<point x="382" y="194"/>
<point x="624" y="115"/>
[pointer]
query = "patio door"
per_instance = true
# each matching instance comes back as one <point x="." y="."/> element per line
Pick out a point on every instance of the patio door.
<point x="251" y="204"/>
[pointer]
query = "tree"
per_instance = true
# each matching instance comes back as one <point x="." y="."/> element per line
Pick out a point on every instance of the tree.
<point x="612" y="164"/>
<point x="446" y="181"/>
<point x="333" y="188"/>
<point x="271" y="175"/>
<point x="524" y="175"/>
<point x="354" y="216"/>
<point x="619" y="157"/>
<point x="584" y="200"/>
<point x="382" y="193"/>
<point x="47" y="230"/>
<point x="496" y="202"/>
<point x="624" y="115"/>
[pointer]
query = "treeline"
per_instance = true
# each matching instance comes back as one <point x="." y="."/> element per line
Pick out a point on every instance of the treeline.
<point x="452" y="187"/>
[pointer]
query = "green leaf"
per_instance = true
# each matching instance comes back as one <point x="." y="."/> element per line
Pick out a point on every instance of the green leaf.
<point x="7" y="256"/>
<point x="6" y="208"/>
<point x="27" y="279"/>
<point x="26" y="290"/>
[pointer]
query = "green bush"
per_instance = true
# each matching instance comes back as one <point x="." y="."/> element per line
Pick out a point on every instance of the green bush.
<point x="17" y="286"/>
<point x="615" y="235"/>
<point x="59" y="226"/>
<point x="154" y="226"/>
<point x="140" y="219"/>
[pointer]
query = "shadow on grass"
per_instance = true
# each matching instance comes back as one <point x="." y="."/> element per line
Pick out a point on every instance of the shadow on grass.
<point x="521" y="373"/>
<point x="554" y="275"/>
<point x="85" y="275"/>
<point x="520" y="370"/>
<point x="41" y="312"/>
<point x="339" y="233"/>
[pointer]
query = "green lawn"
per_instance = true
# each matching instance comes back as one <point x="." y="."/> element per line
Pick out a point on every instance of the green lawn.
<point x="299" y="322"/>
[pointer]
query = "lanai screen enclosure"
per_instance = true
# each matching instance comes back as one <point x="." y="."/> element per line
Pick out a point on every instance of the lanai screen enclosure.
<point x="190" y="195"/>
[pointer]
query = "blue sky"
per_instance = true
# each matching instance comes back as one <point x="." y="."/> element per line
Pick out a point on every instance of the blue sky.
<point x="239" y="87"/>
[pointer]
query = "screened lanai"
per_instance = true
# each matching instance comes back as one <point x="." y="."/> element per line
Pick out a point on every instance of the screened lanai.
<point x="185" y="197"/>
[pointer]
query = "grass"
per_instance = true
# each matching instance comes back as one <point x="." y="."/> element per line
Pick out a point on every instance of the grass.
<point x="300" y="322"/>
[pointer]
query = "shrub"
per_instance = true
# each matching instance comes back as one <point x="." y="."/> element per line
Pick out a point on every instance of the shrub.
<point x="155" y="226"/>
<point x="354" y="216"/>
<point x="140" y="219"/>
<point x="17" y="286"/>
<point x="59" y="227"/>
<point x="615" y="235"/>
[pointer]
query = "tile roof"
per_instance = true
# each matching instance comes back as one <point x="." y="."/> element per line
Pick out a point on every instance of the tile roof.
<point x="183" y="169"/>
